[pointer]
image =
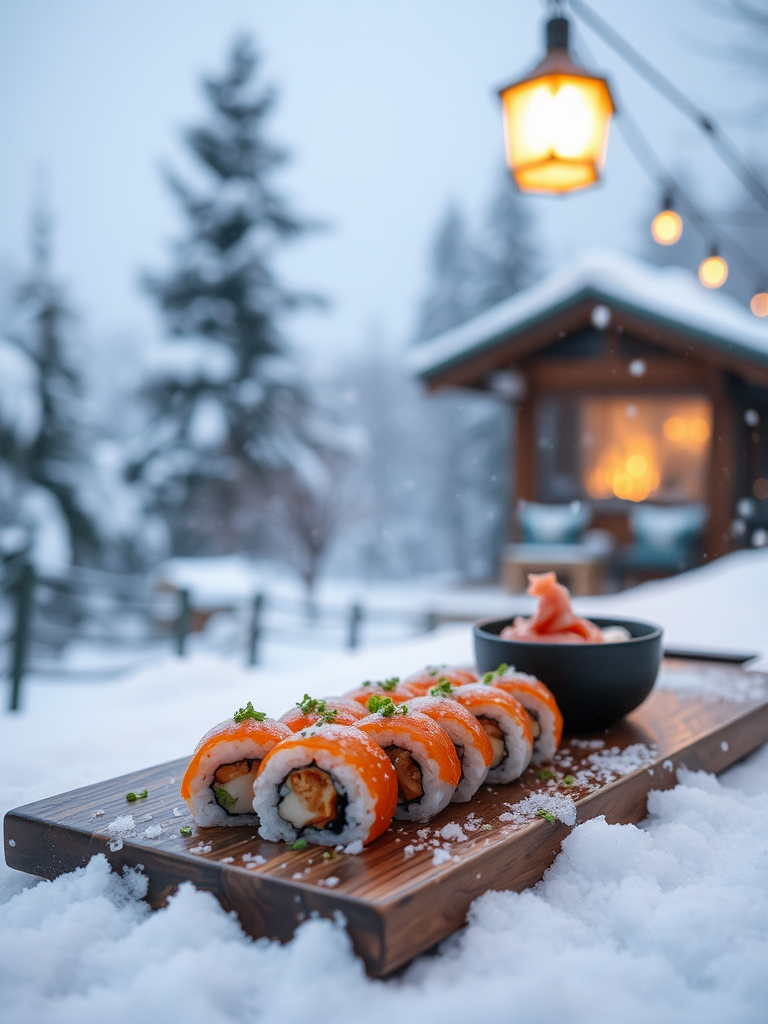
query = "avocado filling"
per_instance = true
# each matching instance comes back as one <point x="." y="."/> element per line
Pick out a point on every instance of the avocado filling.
<point x="233" y="785"/>
<point x="409" y="780"/>
<point x="309" y="798"/>
<point x="496" y="736"/>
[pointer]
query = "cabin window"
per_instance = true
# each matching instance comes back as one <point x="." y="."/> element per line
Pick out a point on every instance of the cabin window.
<point x="630" y="447"/>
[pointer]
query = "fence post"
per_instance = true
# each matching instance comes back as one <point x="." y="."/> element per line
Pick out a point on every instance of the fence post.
<point x="24" y="594"/>
<point x="430" y="622"/>
<point x="355" y="618"/>
<point x="182" y="623"/>
<point x="254" y="635"/>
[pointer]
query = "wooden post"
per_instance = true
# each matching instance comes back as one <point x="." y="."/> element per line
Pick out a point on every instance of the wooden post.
<point x="254" y="633"/>
<point x="182" y="623"/>
<point x="721" y="496"/>
<point x="523" y="478"/>
<point x="24" y="594"/>
<point x="355" y="618"/>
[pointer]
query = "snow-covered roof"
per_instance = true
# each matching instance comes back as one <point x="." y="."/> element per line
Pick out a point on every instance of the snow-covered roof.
<point x="668" y="296"/>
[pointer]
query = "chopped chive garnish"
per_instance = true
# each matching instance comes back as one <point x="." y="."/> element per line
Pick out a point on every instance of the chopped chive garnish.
<point x="497" y="673"/>
<point x="314" y="706"/>
<point x="248" y="712"/>
<point x="185" y="830"/>
<point x="132" y="797"/>
<point x="545" y="774"/>
<point x="143" y="794"/>
<point x="444" y="688"/>
<point x="568" y="780"/>
<point x="300" y="844"/>
<point x="541" y="813"/>
<point x="330" y="855"/>
<point x="384" y="706"/>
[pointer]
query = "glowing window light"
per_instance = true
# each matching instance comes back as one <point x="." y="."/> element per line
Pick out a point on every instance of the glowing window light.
<point x="556" y="121"/>
<point x="759" y="304"/>
<point x="667" y="227"/>
<point x="713" y="271"/>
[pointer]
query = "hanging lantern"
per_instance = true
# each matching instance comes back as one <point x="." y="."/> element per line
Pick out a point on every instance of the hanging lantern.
<point x="713" y="271"/>
<point x="667" y="226"/>
<point x="556" y="121"/>
<point x="759" y="303"/>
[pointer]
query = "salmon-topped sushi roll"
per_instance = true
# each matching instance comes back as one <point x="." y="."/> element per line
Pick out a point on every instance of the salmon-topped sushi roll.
<point x="218" y="784"/>
<point x="425" y="762"/>
<point x="507" y="725"/>
<point x="327" y="784"/>
<point x="418" y="684"/>
<point x="332" y="710"/>
<point x="382" y="688"/>
<point x="469" y="738"/>
<point x="546" y="721"/>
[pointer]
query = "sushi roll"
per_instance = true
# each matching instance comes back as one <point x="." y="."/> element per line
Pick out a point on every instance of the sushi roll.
<point x="418" y="684"/>
<point x="383" y="688"/>
<point x="331" y="710"/>
<point x="218" y="784"/>
<point x="469" y="738"/>
<point x="425" y="762"/>
<point x="541" y="707"/>
<point x="328" y="784"/>
<point x="506" y="723"/>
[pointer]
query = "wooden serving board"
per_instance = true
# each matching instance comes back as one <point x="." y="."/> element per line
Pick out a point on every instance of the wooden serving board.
<point x="412" y="887"/>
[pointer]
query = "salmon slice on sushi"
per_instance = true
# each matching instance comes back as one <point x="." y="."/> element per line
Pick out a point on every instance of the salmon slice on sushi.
<point x="380" y="688"/>
<point x="422" y="755"/>
<point x="544" y="715"/>
<point x="218" y="783"/>
<point x="470" y="740"/>
<point x="329" y="785"/>
<point x="507" y="725"/>
<point x="418" y="684"/>
<point x="331" y="710"/>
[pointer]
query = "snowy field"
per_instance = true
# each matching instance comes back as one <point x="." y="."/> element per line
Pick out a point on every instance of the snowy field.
<point x="666" y="921"/>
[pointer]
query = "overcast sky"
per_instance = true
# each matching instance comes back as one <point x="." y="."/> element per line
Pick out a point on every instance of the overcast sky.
<point x="389" y="109"/>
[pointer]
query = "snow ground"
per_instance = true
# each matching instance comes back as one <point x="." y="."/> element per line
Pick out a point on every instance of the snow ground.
<point x="667" y="921"/>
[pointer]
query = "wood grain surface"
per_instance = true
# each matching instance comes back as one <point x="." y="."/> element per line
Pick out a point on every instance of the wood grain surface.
<point x="412" y="887"/>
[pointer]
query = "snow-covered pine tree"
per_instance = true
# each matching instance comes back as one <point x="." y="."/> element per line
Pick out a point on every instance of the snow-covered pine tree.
<point x="506" y="256"/>
<point x="449" y="298"/>
<point x="469" y="275"/>
<point x="228" y="407"/>
<point x="46" y="464"/>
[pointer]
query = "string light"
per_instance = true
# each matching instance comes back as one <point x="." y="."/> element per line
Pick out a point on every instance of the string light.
<point x="713" y="271"/>
<point x="667" y="226"/>
<point x="759" y="303"/>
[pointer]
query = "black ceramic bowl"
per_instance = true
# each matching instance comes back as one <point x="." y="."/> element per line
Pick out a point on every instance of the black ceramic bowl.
<point x="594" y="684"/>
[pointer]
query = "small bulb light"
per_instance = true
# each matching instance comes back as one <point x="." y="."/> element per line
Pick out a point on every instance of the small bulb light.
<point x="713" y="271"/>
<point x="667" y="227"/>
<point x="759" y="304"/>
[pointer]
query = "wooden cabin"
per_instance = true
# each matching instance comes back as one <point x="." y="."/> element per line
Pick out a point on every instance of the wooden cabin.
<point x="631" y="384"/>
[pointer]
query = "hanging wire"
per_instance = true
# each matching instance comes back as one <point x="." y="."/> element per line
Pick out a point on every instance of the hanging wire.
<point x="643" y="151"/>
<point x="743" y="170"/>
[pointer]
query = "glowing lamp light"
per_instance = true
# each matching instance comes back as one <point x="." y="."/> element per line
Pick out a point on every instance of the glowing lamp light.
<point x="759" y="304"/>
<point x="713" y="271"/>
<point x="667" y="226"/>
<point x="556" y="121"/>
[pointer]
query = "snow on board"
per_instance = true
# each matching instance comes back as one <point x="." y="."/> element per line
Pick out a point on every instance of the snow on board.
<point x="504" y="839"/>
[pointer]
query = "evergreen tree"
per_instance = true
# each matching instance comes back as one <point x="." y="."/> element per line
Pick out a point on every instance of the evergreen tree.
<point x="469" y="275"/>
<point x="49" y="465"/>
<point x="449" y="300"/>
<point x="227" y="403"/>
<point x="507" y="259"/>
